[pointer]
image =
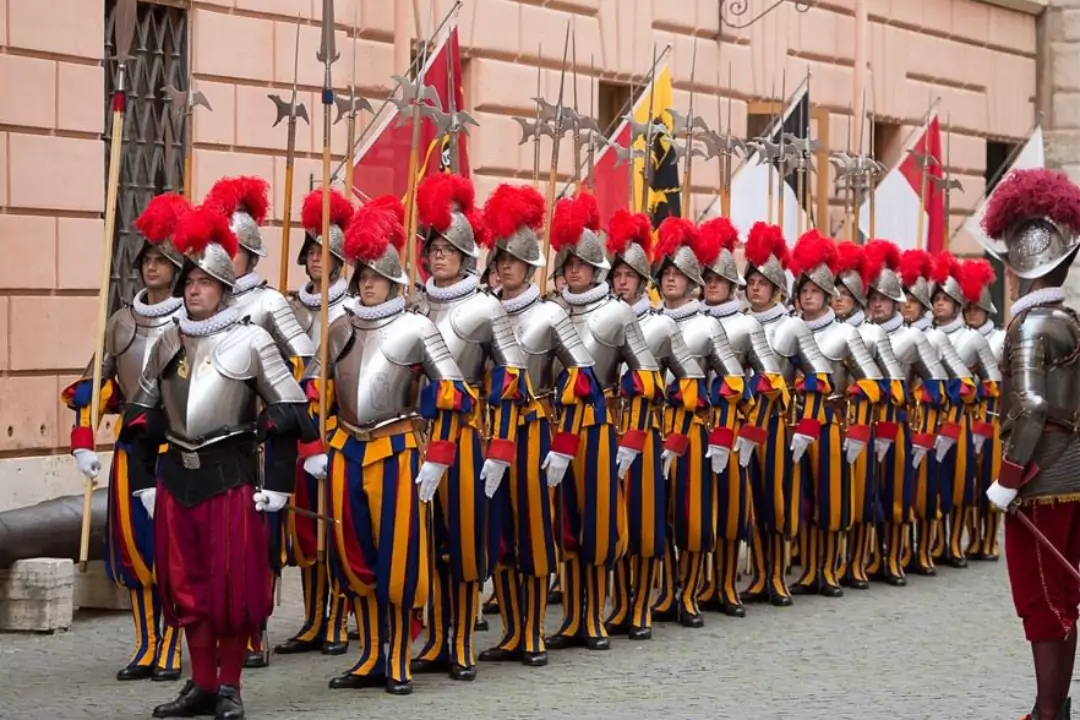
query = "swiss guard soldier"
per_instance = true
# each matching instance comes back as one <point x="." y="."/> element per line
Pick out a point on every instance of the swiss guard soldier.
<point x="645" y="488"/>
<point x="846" y="418"/>
<point x="201" y="391"/>
<point x="702" y="488"/>
<point x="129" y="532"/>
<point x="326" y="614"/>
<point x="1033" y="218"/>
<point x="985" y="523"/>
<point x="960" y="483"/>
<point x="245" y="201"/>
<point x="853" y="276"/>
<point x="481" y="341"/>
<point x="751" y="347"/>
<point x="776" y="473"/>
<point x="905" y="487"/>
<point x="523" y="522"/>
<point x="379" y="488"/>
<point x="592" y="503"/>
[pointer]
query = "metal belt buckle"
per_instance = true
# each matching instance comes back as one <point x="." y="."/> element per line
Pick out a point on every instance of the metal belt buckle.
<point x="190" y="460"/>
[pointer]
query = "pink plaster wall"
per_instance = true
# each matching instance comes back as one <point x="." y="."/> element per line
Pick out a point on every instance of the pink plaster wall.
<point x="980" y="58"/>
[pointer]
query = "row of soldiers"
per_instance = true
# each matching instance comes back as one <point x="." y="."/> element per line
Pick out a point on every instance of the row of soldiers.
<point x="841" y="416"/>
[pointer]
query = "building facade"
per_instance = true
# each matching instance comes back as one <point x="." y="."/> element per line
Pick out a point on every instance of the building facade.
<point x="993" y="64"/>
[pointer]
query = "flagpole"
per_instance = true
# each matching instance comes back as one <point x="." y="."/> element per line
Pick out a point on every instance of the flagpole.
<point x="292" y="111"/>
<point x="781" y="160"/>
<point x="923" y="167"/>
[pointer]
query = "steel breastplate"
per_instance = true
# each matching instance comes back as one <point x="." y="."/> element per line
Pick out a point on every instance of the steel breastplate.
<point x="750" y="343"/>
<point x="658" y="330"/>
<point x="267" y="308"/>
<point x="833" y="342"/>
<point x="202" y="402"/>
<point x="476" y="329"/>
<point x="591" y="323"/>
<point x="309" y="318"/>
<point x="534" y="329"/>
<point x="698" y="335"/>
<point x="130" y="341"/>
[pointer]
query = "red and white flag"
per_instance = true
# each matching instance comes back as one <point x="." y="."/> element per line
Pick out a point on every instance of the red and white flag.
<point x="904" y="196"/>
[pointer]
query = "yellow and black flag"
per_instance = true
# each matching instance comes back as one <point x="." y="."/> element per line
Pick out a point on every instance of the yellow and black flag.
<point x="664" y="187"/>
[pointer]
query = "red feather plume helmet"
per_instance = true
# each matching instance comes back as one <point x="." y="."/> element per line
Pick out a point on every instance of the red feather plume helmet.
<point x="1043" y="205"/>
<point x="311" y="217"/>
<point x="915" y="269"/>
<point x="204" y="237"/>
<point x="945" y="273"/>
<point x="446" y="205"/>
<point x="852" y="271"/>
<point x="575" y="230"/>
<point x="767" y="253"/>
<point x="375" y="237"/>
<point x="245" y="201"/>
<point x="630" y="240"/>
<point x="679" y="244"/>
<point x="881" y="265"/>
<point x="814" y="258"/>
<point x="976" y="277"/>
<point x="158" y="222"/>
<point x="721" y="234"/>
<point x="511" y="217"/>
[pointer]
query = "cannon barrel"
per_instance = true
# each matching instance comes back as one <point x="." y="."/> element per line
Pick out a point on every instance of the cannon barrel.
<point x="52" y="529"/>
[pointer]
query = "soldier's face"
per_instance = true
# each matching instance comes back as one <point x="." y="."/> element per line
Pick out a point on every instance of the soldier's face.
<point x="717" y="289"/>
<point x="811" y="300"/>
<point x="579" y="274"/>
<point x="626" y="283"/>
<point x="673" y="284"/>
<point x="157" y="271"/>
<point x="511" y="272"/>
<point x="912" y="309"/>
<point x="313" y="262"/>
<point x="944" y="307"/>
<point x="975" y="316"/>
<point x="843" y="303"/>
<point x="202" y="294"/>
<point x="760" y="293"/>
<point x="374" y="289"/>
<point x="444" y="260"/>
<point x="881" y="307"/>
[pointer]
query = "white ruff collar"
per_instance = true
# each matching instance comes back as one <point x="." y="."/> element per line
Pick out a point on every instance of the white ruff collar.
<point x="642" y="306"/>
<point x="1046" y="296"/>
<point x="246" y="282"/>
<point x="166" y="307"/>
<point x="892" y="324"/>
<point x="828" y="318"/>
<point x="378" y="312"/>
<point x="953" y="325"/>
<point x="724" y="309"/>
<point x="769" y="315"/>
<point x="986" y="328"/>
<point x="922" y="323"/>
<point x="684" y="311"/>
<point x="522" y="301"/>
<point x="591" y="295"/>
<point x="313" y="300"/>
<point x="856" y="319"/>
<point x="463" y="287"/>
<point x="213" y="324"/>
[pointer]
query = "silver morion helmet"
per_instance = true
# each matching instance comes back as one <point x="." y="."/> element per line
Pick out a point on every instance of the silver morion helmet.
<point x="766" y="253"/>
<point x="158" y="222"/>
<point x="446" y="208"/>
<point x="915" y="273"/>
<point x="814" y="259"/>
<point x="881" y="263"/>
<point x="678" y="243"/>
<point x="946" y="273"/>
<point x="245" y="201"/>
<point x="375" y="238"/>
<point x="575" y="230"/>
<point x="720" y="233"/>
<point x="312" y="217"/>
<point x="204" y="237"/>
<point x="513" y="214"/>
<point x="629" y="241"/>
<point x="850" y="266"/>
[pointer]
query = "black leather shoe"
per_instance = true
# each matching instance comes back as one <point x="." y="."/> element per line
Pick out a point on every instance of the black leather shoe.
<point x="429" y="667"/>
<point x="350" y="681"/>
<point x="461" y="672"/>
<point x="640" y="633"/>
<point x="894" y="580"/>
<point x="354" y="634"/>
<point x="731" y="610"/>
<point x="481" y="625"/>
<point x="292" y="646"/>
<point x="334" y="648"/>
<point x="857" y="583"/>
<point x="956" y="562"/>
<point x="598" y="643"/>
<point x="562" y="642"/>
<point x="778" y="600"/>
<point x="191" y="702"/>
<point x="619" y="628"/>
<point x="135" y="672"/>
<point x="490" y="608"/>
<point x="831" y="591"/>
<point x="924" y="570"/>
<point x="691" y="620"/>
<point x="256" y="660"/>
<point x="229" y="704"/>
<point x="498" y="654"/>
<point x="812" y="588"/>
<point x="399" y="687"/>
<point x="538" y="659"/>
<point x="163" y="675"/>
<point x="669" y="615"/>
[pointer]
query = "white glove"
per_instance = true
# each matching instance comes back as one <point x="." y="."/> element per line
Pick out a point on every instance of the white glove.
<point x="427" y="480"/>
<point x="147" y="496"/>
<point x="853" y="449"/>
<point x="799" y="443"/>
<point x="1001" y="497"/>
<point x="625" y="458"/>
<point x="881" y="447"/>
<point x="87" y="461"/>
<point x="979" y="441"/>
<point x="719" y="455"/>
<point x="270" y="500"/>
<point x="943" y="445"/>
<point x="666" y="459"/>
<point x="555" y="465"/>
<point x="918" y="454"/>
<point x="744" y="448"/>
<point x="492" y="474"/>
<point x="316" y="466"/>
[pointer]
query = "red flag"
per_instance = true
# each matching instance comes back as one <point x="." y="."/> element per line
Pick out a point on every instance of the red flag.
<point x="611" y="187"/>
<point x="934" y="200"/>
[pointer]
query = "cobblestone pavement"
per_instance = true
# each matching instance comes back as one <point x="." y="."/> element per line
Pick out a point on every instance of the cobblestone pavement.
<point x="944" y="647"/>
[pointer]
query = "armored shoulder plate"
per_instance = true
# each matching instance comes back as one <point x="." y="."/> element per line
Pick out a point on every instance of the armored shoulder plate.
<point x="120" y="331"/>
<point x="666" y="342"/>
<point x="913" y="350"/>
<point x="482" y="319"/>
<point x="708" y="341"/>
<point x="608" y="322"/>
<point x="793" y="340"/>
<point x="877" y="342"/>
<point x="748" y="340"/>
<point x="271" y="311"/>
<point x="975" y="352"/>
<point x="946" y="351"/>
<point x="237" y="355"/>
<point x="412" y="339"/>
<point x="164" y="352"/>
<point x="996" y="339"/>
